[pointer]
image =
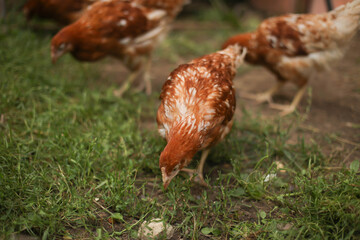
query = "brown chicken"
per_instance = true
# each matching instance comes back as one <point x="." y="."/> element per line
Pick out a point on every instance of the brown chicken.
<point x="127" y="30"/>
<point x="295" y="46"/>
<point x="196" y="110"/>
<point x="61" y="11"/>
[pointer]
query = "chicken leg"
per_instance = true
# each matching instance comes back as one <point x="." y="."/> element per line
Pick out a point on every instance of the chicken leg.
<point x="126" y="85"/>
<point x="146" y="83"/>
<point x="147" y="79"/>
<point x="265" y="96"/>
<point x="287" y="109"/>
<point x="199" y="171"/>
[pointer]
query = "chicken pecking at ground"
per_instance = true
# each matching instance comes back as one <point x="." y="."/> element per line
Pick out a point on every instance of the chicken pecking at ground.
<point x="61" y="11"/>
<point x="127" y="30"/>
<point x="196" y="110"/>
<point x="295" y="46"/>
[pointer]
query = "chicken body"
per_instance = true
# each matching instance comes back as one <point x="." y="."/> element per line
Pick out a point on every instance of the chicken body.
<point x="196" y="110"/>
<point x="62" y="11"/>
<point x="295" y="46"/>
<point x="127" y="30"/>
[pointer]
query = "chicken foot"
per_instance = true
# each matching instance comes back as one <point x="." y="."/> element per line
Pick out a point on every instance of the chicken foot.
<point x="126" y="85"/>
<point x="287" y="109"/>
<point x="265" y="96"/>
<point x="199" y="171"/>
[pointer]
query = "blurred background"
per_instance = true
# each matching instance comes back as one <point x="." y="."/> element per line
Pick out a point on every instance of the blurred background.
<point x="268" y="7"/>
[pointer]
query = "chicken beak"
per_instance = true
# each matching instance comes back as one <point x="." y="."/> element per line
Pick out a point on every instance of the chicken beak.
<point x="26" y="13"/>
<point x="53" y="58"/>
<point x="166" y="184"/>
<point x="56" y="53"/>
<point x="165" y="178"/>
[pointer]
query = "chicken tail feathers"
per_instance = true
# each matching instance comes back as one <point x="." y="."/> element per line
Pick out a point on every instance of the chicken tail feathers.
<point x="347" y="19"/>
<point x="349" y="9"/>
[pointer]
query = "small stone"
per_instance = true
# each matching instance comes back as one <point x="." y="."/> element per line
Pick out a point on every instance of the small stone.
<point x="284" y="227"/>
<point x="270" y="177"/>
<point x="155" y="228"/>
<point x="280" y="166"/>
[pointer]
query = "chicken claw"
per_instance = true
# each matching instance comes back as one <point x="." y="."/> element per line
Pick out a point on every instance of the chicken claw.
<point x="259" y="98"/>
<point x="126" y="85"/>
<point x="265" y="96"/>
<point x="285" y="109"/>
<point x="198" y="178"/>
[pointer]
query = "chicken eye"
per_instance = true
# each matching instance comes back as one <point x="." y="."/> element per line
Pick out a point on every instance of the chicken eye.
<point x="62" y="46"/>
<point x="176" y="168"/>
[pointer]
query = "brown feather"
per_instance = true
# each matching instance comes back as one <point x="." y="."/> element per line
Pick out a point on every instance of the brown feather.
<point x="294" y="46"/>
<point x="62" y="11"/>
<point x="121" y="29"/>
<point x="197" y="106"/>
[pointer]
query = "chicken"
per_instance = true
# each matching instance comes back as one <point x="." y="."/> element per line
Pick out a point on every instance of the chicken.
<point x="127" y="30"/>
<point x="196" y="110"/>
<point x="295" y="46"/>
<point x="62" y="11"/>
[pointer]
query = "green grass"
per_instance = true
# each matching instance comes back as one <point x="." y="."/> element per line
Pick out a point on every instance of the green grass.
<point x="75" y="161"/>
